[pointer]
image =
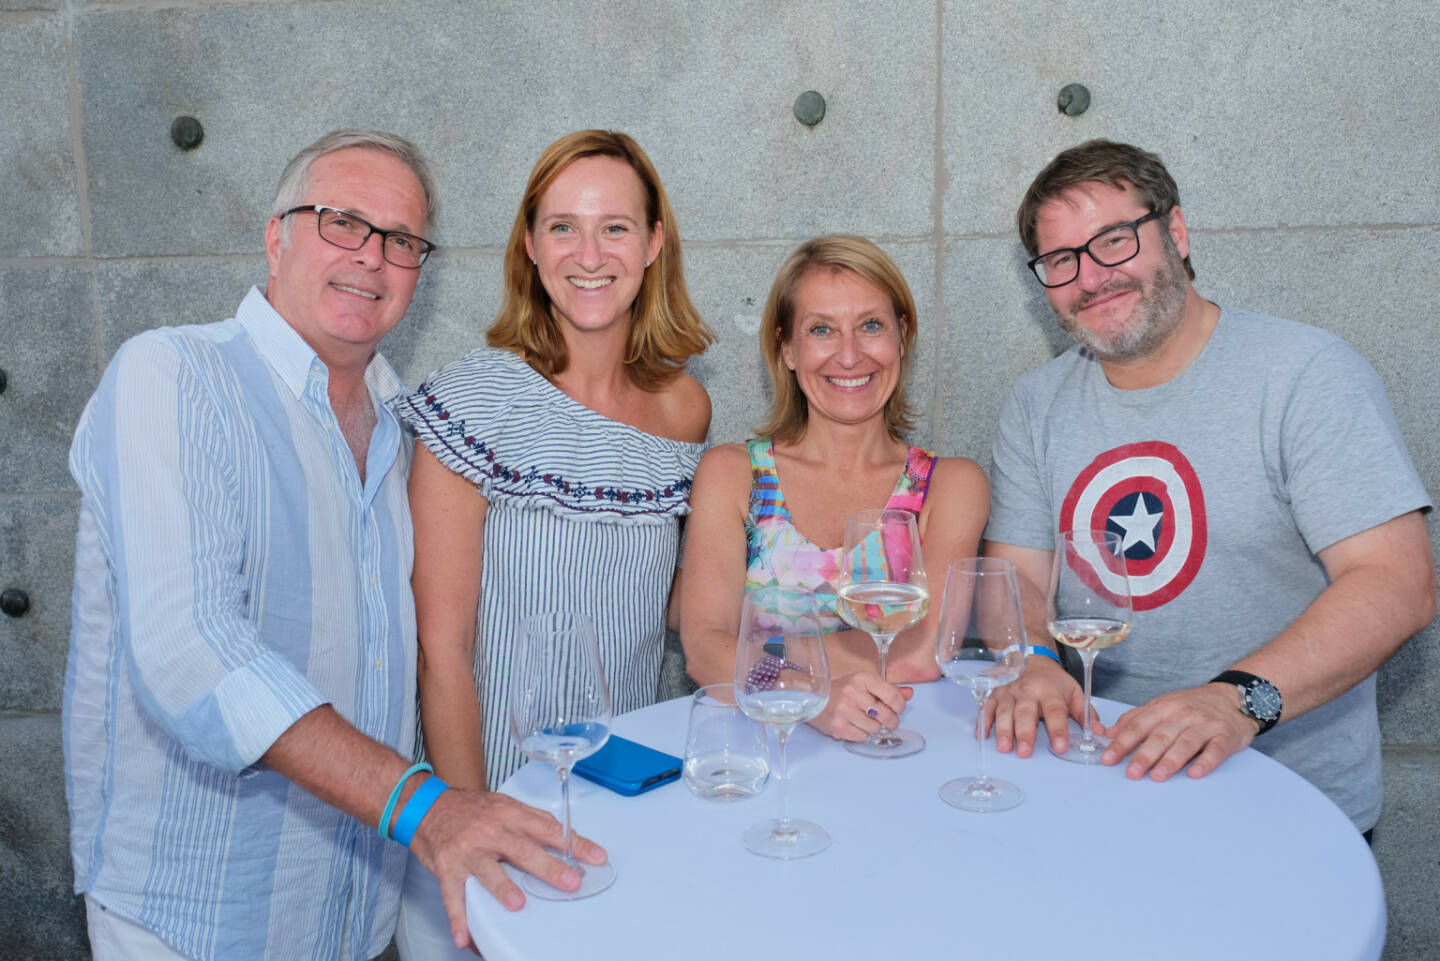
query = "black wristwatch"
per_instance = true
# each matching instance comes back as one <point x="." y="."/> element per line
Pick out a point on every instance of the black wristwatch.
<point x="1261" y="698"/>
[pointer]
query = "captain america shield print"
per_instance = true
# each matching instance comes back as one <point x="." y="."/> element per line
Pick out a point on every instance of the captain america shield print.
<point x="1149" y="494"/>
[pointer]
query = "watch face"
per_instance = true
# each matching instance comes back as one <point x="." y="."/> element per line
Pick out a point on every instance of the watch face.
<point x="1263" y="699"/>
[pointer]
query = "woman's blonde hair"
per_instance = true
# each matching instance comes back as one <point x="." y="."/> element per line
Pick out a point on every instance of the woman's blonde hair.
<point x="665" y="327"/>
<point x="789" y="411"/>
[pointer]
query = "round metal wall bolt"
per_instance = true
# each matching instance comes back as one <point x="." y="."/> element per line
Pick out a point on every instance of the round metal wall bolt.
<point x="810" y="108"/>
<point x="1074" y="99"/>
<point x="187" y="133"/>
<point x="14" y="602"/>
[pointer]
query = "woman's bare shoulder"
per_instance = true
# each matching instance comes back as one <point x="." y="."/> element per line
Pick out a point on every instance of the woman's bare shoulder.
<point x="958" y="472"/>
<point x="684" y="406"/>
<point x="725" y="460"/>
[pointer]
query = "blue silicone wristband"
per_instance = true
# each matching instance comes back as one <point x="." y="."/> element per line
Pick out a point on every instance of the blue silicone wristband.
<point x="416" y="808"/>
<point x="1046" y="652"/>
<point x="389" y="811"/>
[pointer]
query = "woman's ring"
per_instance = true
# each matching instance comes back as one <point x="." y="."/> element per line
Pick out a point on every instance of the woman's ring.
<point x="872" y="712"/>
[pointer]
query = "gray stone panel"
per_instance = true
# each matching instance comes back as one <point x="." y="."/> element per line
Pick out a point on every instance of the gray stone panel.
<point x="47" y="349"/>
<point x="1407" y="840"/>
<point x="729" y="287"/>
<point x="1311" y="119"/>
<point x="136" y="295"/>
<point x="455" y="303"/>
<point x="37" y="555"/>
<point x="709" y="96"/>
<point x="998" y="325"/>
<point x="1361" y="285"/>
<point x="38" y="203"/>
<point x="35" y="846"/>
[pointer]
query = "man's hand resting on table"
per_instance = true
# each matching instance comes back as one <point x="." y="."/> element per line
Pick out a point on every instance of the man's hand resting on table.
<point x="1201" y="724"/>
<point x="1044" y="692"/>
<point x="471" y="832"/>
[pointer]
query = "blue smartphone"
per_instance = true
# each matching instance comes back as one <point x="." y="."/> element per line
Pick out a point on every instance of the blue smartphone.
<point x="628" y="768"/>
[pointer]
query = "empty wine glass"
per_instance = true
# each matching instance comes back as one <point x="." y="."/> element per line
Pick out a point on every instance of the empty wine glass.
<point x="782" y="678"/>
<point x="981" y="645"/>
<point x="560" y="713"/>
<point x="1089" y="611"/>
<point x="882" y="590"/>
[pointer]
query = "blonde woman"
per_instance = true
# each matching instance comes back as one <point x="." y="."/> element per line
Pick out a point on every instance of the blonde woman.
<point x="837" y="336"/>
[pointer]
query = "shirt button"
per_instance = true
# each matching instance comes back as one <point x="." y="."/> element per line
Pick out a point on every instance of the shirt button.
<point x="377" y="664"/>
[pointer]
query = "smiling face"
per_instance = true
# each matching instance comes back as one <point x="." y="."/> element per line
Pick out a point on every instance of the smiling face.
<point x="1129" y="311"/>
<point x="591" y="242"/>
<point x="844" y="345"/>
<point x="342" y="302"/>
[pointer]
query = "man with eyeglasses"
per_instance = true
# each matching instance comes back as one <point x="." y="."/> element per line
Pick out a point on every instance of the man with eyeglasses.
<point x="240" y="696"/>
<point x="1271" y="516"/>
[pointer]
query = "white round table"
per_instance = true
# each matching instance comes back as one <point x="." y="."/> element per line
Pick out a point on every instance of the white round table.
<point x="1251" y="861"/>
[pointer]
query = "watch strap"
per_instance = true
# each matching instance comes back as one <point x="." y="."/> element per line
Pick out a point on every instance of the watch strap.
<point x="1247" y="683"/>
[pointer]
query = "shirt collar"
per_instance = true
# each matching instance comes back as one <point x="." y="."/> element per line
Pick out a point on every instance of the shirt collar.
<point x="286" y="351"/>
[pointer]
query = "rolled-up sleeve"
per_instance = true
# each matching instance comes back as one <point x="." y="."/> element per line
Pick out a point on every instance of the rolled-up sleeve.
<point x="174" y="521"/>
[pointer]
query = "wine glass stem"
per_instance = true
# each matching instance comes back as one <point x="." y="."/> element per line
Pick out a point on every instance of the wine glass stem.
<point x="782" y="734"/>
<point x="882" y="644"/>
<point x="565" y="803"/>
<point x="981" y="778"/>
<point x="1086" y="735"/>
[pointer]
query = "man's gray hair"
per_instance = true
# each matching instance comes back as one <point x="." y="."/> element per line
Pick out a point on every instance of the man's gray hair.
<point x="295" y="179"/>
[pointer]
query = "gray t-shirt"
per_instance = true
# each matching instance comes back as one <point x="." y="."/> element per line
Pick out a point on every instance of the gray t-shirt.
<point x="1275" y="443"/>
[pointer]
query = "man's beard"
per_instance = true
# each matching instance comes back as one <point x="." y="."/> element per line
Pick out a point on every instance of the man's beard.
<point x="1156" y="315"/>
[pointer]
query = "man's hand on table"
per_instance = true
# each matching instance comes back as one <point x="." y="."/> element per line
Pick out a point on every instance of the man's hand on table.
<point x="472" y="832"/>
<point x="1044" y="692"/>
<point x="1202" y="723"/>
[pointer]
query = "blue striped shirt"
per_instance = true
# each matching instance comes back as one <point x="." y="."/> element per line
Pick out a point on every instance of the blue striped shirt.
<point x="231" y="574"/>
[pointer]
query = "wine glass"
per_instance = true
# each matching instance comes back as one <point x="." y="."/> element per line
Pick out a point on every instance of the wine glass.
<point x="981" y="645"/>
<point x="782" y="678"/>
<point x="1089" y="611"/>
<point x="560" y="713"/>
<point x="881" y="589"/>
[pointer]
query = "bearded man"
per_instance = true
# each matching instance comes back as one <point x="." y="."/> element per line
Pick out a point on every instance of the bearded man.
<point x="1271" y="517"/>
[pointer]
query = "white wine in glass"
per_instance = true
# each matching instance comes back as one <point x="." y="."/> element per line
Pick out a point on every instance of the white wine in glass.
<point x="782" y="678"/>
<point x="980" y="644"/>
<point x="560" y="713"/>
<point x="1089" y="611"/>
<point x="882" y="590"/>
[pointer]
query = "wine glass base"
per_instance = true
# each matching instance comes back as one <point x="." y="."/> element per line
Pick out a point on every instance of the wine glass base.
<point x="973" y="794"/>
<point x="1079" y="752"/>
<point x="800" y="840"/>
<point x="594" y="878"/>
<point x="901" y="743"/>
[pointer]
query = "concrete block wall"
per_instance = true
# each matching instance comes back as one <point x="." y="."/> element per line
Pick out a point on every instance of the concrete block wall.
<point x="1303" y="138"/>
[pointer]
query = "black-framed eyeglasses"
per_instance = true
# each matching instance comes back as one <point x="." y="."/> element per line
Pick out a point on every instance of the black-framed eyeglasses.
<point x="1111" y="247"/>
<point x="344" y="229"/>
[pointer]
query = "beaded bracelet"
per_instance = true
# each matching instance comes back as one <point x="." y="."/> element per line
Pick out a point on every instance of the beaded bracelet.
<point x="416" y="808"/>
<point x="1044" y="651"/>
<point x="389" y="811"/>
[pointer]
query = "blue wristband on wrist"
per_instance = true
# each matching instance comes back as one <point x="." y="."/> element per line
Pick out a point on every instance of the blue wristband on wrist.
<point x="385" y="815"/>
<point x="416" y="808"/>
<point x="1046" y="652"/>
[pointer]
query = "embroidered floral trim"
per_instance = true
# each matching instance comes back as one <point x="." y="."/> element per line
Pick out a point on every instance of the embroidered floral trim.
<point x="577" y="492"/>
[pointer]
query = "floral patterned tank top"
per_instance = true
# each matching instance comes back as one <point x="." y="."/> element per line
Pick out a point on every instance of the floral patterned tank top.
<point x="778" y="555"/>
